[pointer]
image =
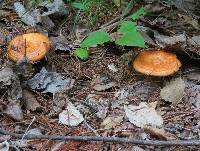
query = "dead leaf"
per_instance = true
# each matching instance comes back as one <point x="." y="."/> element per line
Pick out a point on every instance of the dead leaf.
<point x="143" y="115"/>
<point x="190" y="20"/>
<point x="192" y="96"/>
<point x="195" y="40"/>
<point x="28" y="17"/>
<point x="14" y="111"/>
<point x="50" y="82"/>
<point x="54" y="7"/>
<point x="164" y="41"/>
<point x="6" y="76"/>
<point x="70" y="116"/>
<point x="4" y="146"/>
<point x="112" y="67"/>
<point x="30" y="101"/>
<point x="47" y="23"/>
<point x="60" y="100"/>
<point x="194" y="76"/>
<point x="141" y="90"/>
<point x="60" y="43"/>
<point x="159" y="133"/>
<point x="34" y="131"/>
<point x="97" y="104"/>
<point x="102" y="83"/>
<point x="173" y="91"/>
<point x="112" y="122"/>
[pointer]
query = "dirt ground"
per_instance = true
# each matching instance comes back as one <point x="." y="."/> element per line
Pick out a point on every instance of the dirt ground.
<point x="102" y="87"/>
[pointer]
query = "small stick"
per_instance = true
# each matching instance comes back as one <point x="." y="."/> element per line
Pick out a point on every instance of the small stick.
<point x="28" y="128"/>
<point x="92" y="129"/>
<point x="106" y="139"/>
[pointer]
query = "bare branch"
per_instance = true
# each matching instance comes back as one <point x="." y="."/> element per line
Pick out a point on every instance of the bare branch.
<point x="106" y="139"/>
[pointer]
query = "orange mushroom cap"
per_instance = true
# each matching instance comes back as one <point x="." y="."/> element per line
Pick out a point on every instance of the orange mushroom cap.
<point x="156" y="63"/>
<point x="33" y="46"/>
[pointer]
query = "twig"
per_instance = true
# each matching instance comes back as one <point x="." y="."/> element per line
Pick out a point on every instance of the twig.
<point x="106" y="139"/>
<point x="92" y="129"/>
<point x="119" y="18"/>
<point x="28" y="128"/>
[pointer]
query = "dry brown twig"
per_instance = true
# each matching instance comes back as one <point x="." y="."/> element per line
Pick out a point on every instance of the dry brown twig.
<point x="106" y="139"/>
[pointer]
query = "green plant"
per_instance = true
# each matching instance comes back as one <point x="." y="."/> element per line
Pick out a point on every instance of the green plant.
<point x="90" y="9"/>
<point x="82" y="53"/>
<point x="130" y="35"/>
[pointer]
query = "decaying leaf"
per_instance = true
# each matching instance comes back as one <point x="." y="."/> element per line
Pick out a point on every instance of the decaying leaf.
<point x="28" y="17"/>
<point x="55" y="6"/>
<point x="102" y="83"/>
<point x="111" y="122"/>
<point x="192" y="96"/>
<point x="173" y="91"/>
<point x="4" y="146"/>
<point x="97" y="104"/>
<point x="60" y="43"/>
<point x="34" y="131"/>
<point x="143" y="115"/>
<point x="70" y="116"/>
<point x="195" y="40"/>
<point x="163" y="40"/>
<point x="30" y="101"/>
<point x="190" y="20"/>
<point x="50" y="82"/>
<point x="14" y="111"/>
<point x="112" y="67"/>
<point x="141" y="90"/>
<point x="8" y="78"/>
<point x="160" y="133"/>
<point x="60" y="100"/>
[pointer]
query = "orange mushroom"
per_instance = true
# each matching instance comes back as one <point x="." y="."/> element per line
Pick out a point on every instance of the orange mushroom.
<point x="33" y="46"/>
<point x="156" y="63"/>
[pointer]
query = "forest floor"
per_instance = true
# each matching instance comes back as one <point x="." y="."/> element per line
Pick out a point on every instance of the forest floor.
<point x="102" y="96"/>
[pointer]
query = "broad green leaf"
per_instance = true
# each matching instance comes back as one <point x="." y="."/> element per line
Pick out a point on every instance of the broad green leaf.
<point x="81" y="53"/>
<point x="131" y="39"/>
<point x="95" y="38"/>
<point x="79" y="6"/>
<point x="127" y="26"/>
<point x="138" y="13"/>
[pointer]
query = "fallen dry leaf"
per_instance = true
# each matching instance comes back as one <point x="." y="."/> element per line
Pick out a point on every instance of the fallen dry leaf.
<point x="112" y="122"/>
<point x="70" y="116"/>
<point x="28" y="17"/>
<point x="159" y="133"/>
<point x="30" y="101"/>
<point x="102" y="83"/>
<point x="141" y="90"/>
<point x="164" y="41"/>
<point x="4" y="146"/>
<point x="14" y="111"/>
<point x="60" y="100"/>
<point x="143" y="115"/>
<point x="173" y="91"/>
<point x="97" y="104"/>
<point x="50" y="82"/>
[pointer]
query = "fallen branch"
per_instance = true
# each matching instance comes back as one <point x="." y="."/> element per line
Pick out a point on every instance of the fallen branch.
<point x="106" y="139"/>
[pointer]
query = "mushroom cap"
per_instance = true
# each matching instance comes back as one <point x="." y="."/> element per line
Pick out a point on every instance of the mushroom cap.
<point x="33" y="46"/>
<point x="156" y="63"/>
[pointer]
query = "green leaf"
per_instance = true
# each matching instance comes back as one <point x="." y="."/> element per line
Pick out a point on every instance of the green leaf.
<point x="127" y="26"/>
<point x="95" y="38"/>
<point x="138" y="13"/>
<point x="131" y="37"/>
<point x="82" y="53"/>
<point x="79" y="6"/>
